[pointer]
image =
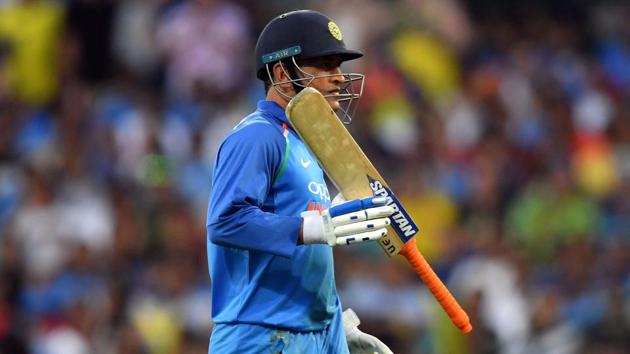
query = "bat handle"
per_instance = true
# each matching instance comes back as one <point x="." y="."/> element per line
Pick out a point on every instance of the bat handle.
<point x="435" y="285"/>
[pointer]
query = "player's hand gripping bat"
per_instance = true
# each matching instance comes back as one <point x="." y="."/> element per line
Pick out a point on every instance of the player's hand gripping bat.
<point x="355" y="177"/>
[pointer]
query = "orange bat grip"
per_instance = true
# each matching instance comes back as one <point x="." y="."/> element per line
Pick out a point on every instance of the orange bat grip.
<point x="435" y="285"/>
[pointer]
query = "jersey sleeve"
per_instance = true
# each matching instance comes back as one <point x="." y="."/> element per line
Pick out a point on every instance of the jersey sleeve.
<point x="245" y="169"/>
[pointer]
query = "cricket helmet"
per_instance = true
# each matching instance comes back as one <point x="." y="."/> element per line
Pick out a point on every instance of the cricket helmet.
<point x="300" y="35"/>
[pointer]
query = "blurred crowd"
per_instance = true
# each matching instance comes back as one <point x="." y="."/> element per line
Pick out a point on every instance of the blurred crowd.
<point x="504" y="127"/>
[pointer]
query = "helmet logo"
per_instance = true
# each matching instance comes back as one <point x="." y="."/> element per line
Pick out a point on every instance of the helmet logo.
<point x="335" y="31"/>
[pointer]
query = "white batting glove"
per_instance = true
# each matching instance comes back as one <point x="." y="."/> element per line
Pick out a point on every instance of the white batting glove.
<point x="359" y="342"/>
<point x="355" y="221"/>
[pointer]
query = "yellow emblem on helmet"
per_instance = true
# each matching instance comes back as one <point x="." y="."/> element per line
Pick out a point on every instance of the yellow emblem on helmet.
<point x="334" y="30"/>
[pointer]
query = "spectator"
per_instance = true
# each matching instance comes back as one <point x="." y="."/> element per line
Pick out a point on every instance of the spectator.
<point x="32" y="61"/>
<point x="205" y="43"/>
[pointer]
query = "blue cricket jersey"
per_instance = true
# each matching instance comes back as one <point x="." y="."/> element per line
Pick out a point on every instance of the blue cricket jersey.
<point x="263" y="179"/>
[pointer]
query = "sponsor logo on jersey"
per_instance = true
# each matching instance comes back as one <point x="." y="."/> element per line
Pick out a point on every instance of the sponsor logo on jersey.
<point x="319" y="189"/>
<point x="401" y="221"/>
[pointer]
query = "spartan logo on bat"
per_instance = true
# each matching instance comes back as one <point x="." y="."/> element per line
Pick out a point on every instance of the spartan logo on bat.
<point x="401" y="221"/>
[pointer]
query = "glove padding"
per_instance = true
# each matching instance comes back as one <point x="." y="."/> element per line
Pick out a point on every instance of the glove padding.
<point x="354" y="221"/>
<point x="359" y="342"/>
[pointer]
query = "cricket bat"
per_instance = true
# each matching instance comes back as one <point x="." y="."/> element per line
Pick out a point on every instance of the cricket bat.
<point x="355" y="177"/>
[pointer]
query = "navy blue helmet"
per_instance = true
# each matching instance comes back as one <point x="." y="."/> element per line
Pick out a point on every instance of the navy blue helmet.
<point x="306" y="34"/>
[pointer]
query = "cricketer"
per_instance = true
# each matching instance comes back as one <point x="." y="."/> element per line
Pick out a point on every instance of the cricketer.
<point x="271" y="223"/>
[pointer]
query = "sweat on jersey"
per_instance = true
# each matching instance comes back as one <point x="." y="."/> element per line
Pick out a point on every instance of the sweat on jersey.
<point x="263" y="179"/>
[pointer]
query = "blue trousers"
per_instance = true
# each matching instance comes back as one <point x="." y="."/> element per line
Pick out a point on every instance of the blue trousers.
<point x="254" y="339"/>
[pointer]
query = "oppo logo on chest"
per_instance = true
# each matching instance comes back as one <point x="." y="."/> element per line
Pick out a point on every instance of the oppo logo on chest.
<point x="319" y="189"/>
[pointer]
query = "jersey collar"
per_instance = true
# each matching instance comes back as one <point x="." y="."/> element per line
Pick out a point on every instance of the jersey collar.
<point x="273" y="109"/>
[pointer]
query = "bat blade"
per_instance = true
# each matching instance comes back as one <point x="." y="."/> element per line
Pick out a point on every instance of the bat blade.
<point x="345" y="163"/>
<point x="354" y="176"/>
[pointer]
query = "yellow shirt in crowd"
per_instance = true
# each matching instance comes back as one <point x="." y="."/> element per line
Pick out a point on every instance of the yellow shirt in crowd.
<point x="32" y="31"/>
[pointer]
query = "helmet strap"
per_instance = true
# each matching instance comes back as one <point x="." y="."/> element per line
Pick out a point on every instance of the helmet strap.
<point x="289" y="68"/>
<point x="293" y="75"/>
<point x="297" y="75"/>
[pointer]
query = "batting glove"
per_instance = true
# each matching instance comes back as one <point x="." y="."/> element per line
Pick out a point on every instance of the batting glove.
<point x="354" y="221"/>
<point x="359" y="342"/>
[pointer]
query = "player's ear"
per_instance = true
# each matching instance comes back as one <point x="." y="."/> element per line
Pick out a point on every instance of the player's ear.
<point x="280" y="74"/>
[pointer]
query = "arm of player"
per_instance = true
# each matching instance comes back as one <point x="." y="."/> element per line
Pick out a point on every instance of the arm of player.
<point x="354" y="221"/>
<point x="358" y="341"/>
<point x="243" y="176"/>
